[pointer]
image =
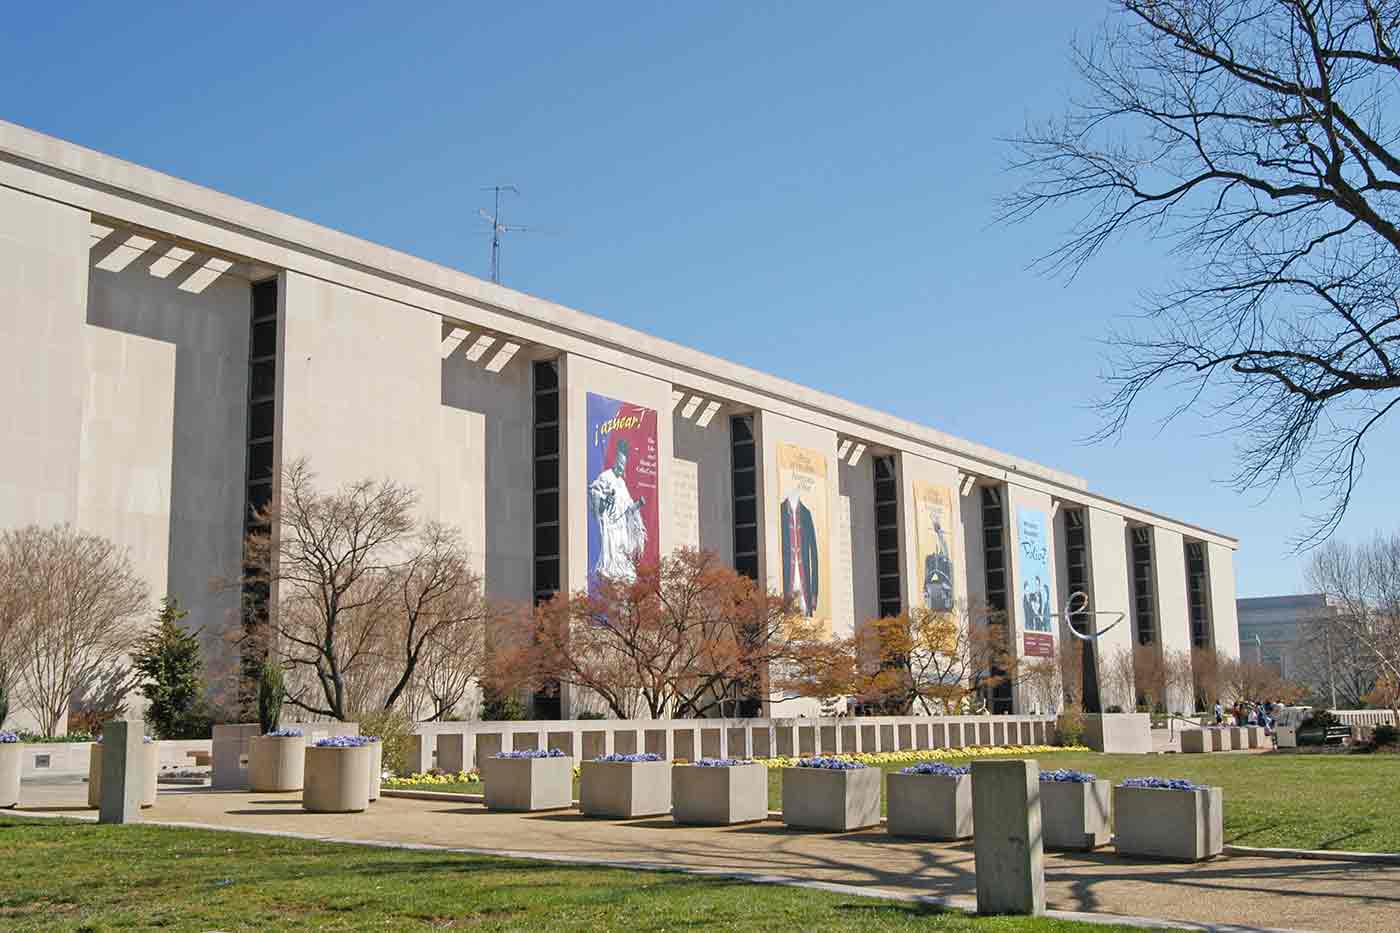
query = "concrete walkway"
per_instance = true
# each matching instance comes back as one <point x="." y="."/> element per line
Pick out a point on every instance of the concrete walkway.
<point x="1246" y="892"/>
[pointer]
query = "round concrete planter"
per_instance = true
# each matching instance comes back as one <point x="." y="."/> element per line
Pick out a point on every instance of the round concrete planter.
<point x="336" y="779"/>
<point x="376" y="768"/>
<point x="11" y="755"/>
<point x="150" y="772"/>
<point x="276" y="763"/>
<point x="929" y="806"/>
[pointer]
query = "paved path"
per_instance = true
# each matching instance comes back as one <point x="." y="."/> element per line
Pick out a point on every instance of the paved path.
<point x="1252" y="892"/>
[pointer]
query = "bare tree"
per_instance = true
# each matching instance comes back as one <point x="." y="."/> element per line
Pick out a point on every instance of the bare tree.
<point x="1119" y="679"/>
<point x="363" y="591"/>
<point x="1178" y="680"/>
<point x="74" y="603"/>
<point x="1258" y="137"/>
<point x="1337" y="671"/>
<point x="1363" y="582"/>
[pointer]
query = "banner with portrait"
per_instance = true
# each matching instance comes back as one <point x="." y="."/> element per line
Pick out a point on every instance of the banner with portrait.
<point x="622" y="502"/>
<point x="804" y="550"/>
<point x="933" y="546"/>
<point x="1033" y="547"/>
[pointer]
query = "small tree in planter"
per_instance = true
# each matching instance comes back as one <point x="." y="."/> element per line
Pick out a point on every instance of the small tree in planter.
<point x="931" y="800"/>
<point x="1074" y="809"/>
<point x="625" y="786"/>
<point x="1168" y="819"/>
<point x="831" y="794"/>
<point x="529" y="781"/>
<point x="719" y="792"/>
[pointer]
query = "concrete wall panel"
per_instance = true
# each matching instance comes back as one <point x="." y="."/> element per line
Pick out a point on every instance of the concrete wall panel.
<point x="43" y="300"/>
<point x="1220" y="564"/>
<point x="1110" y="592"/>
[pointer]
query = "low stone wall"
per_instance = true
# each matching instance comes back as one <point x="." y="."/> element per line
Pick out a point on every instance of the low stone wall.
<point x="458" y="746"/>
<point x="67" y="759"/>
<point x="1364" y="717"/>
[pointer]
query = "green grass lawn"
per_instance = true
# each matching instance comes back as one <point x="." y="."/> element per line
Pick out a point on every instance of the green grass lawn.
<point x="62" y="875"/>
<point x="1347" y="802"/>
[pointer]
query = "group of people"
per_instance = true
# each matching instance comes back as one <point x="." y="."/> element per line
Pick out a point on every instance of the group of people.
<point x="1248" y="713"/>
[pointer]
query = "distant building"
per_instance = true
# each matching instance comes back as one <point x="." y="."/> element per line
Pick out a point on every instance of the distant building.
<point x="1271" y="628"/>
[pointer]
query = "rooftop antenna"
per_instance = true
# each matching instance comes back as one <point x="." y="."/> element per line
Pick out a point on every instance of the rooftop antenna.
<point x="498" y="228"/>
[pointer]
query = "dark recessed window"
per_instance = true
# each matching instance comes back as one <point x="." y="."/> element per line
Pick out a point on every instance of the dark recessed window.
<point x="262" y="379"/>
<point x="265" y="338"/>
<point x="261" y="419"/>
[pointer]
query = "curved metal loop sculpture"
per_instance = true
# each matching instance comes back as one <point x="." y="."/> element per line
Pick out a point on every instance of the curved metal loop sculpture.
<point x="1078" y="606"/>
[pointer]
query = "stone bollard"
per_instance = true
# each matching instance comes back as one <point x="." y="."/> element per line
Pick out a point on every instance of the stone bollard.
<point x="121" y="772"/>
<point x="1009" y="852"/>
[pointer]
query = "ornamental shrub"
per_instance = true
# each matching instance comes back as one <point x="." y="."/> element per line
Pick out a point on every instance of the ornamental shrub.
<point x="644" y="756"/>
<point x="1156" y="783"/>
<point x="830" y="764"/>
<point x="723" y="762"/>
<point x="531" y="753"/>
<point x="1067" y="776"/>
<point x="936" y="769"/>
<point x="1071" y="726"/>
<point x="346" y="741"/>
<point x="269" y="695"/>
<point x="171" y="664"/>
<point x="1386" y="735"/>
<point x="393" y="727"/>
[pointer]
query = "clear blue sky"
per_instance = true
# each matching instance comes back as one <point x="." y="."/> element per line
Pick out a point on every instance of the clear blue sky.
<point x="805" y="188"/>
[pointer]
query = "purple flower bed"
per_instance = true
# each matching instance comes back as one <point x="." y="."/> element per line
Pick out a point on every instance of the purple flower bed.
<point x="284" y="734"/>
<point x="531" y="753"/>
<point x="1155" y="783"/>
<point x="644" y="756"/>
<point x="936" y="769"/>
<point x="722" y="762"/>
<point x="830" y="764"/>
<point x="346" y="741"/>
<point x="8" y="738"/>
<point x="1068" y="776"/>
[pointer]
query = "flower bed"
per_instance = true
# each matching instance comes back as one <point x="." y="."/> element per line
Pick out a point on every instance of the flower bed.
<point x="1074" y="810"/>
<point x="930" y="800"/>
<point x="625" y="786"/>
<point x="427" y="780"/>
<point x="832" y="794"/>
<point x="337" y="774"/>
<point x="914" y="756"/>
<point x="529" y="781"/>
<point x="719" y="792"/>
<point x="1168" y="818"/>
<point x="11" y="757"/>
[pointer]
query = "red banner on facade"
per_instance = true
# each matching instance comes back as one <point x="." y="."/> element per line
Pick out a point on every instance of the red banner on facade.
<point x="1039" y="645"/>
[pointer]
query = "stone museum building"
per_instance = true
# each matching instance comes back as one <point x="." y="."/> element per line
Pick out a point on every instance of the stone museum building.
<point x="167" y="347"/>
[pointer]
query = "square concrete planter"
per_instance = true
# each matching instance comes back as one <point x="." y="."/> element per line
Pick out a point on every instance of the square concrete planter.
<point x="150" y="772"/>
<point x="1194" y="741"/>
<point x="831" y="800"/>
<point x="1256" y="736"/>
<point x="719" y="796"/>
<point x="376" y="768"/>
<point x="337" y="779"/>
<point x="1236" y="738"/>
<point x="929" y="806"/>
<point x="276" y="763"/>
<point x="1219" y="741"/>
<point x="1075" y="815"/>
<point x="1179" y="825"/>
<point x="528" y="784"/>
<point x="623" y="790"/>
<point x="11" y="757"/>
